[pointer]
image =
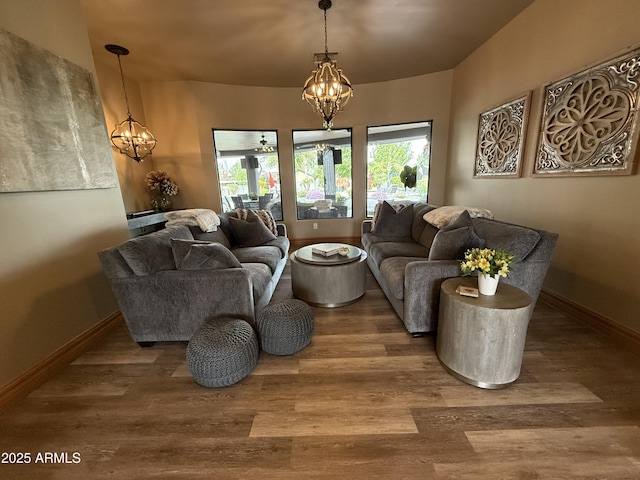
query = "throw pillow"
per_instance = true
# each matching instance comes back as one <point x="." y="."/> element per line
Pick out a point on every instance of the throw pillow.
<point x="393" y="223"/>
<point x="180" y="247"/>
<point x="452" y="241"/>
<point x="252" y="232"/>
<point x="208" y="256"/>
<point x="440" y="217"/>
<point x="264" y="215"/>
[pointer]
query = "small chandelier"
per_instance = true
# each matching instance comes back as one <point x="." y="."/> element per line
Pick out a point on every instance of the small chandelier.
<point x="327" y="90"/>
<point x="130" y="137"/>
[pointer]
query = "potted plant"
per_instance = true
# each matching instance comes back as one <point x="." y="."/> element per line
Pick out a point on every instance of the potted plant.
<point x="162" y="188"/>
<point x="490" y="265"/>
<point x="409" y="176"/>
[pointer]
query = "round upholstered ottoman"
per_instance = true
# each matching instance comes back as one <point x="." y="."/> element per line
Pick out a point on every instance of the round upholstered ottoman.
<point x="285" y="327"/>
<point x="222" y="352"/>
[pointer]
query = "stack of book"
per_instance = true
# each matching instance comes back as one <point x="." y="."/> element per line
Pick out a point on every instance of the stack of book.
<point x="325" y="249"/>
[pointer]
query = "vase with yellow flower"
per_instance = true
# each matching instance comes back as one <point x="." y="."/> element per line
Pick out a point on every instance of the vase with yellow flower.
<point x="490" y="265"/>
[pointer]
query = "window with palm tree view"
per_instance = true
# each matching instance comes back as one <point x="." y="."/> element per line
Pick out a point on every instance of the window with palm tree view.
<point x="322" y="162"/>
<point x="248" y="170"/>
<point x="398" y="163"/>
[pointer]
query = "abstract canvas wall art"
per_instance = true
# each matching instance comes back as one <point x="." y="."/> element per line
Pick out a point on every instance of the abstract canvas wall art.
<point x="590" y="121"/>
<point x="501" y="133"/>
<point x="52" y="130"/>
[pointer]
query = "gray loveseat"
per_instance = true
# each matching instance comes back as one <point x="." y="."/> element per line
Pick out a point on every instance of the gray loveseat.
<point x="410" y="271"/>
<point x="169" y="282"/>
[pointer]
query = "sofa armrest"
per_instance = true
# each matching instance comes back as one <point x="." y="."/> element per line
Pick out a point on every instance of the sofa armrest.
<point x="171" y="304"/>
<point x="422" y="292"/>
<point x="365" y="227"/>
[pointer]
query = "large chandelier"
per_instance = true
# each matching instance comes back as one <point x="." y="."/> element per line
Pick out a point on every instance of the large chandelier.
<point x="327" y="90"/>
<point x="130" y="137"/>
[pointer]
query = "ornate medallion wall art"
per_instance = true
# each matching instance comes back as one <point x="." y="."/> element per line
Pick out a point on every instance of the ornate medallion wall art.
<point x="590" y="121"/>
<point x="501" y="133"/>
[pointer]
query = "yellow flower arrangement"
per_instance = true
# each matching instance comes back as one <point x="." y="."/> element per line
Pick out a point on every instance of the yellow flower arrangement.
<point x="487" y="261"/>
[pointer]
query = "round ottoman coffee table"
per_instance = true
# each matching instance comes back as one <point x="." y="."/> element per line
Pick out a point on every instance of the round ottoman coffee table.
<point x="285" y="327"/>
<point x="328" y="281"/>
<point x="222" y="352"/>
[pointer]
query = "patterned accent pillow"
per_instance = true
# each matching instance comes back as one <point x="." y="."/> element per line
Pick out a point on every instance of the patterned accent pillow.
<point x="442" y="216"/>
<point x="264" y="215"/>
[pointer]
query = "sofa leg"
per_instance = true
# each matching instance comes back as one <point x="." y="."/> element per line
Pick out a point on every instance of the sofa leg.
<point x="418" y="334"/>
<point x="146" y="344"/>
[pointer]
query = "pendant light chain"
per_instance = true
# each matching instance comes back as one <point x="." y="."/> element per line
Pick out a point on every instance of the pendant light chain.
<point x="126" y="98"/>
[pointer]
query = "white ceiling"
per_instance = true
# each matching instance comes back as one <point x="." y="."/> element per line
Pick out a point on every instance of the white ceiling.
<point x="271" y="43"/>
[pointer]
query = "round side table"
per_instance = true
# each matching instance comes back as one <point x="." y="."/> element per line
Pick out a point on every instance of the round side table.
<point x="481" y="340"/>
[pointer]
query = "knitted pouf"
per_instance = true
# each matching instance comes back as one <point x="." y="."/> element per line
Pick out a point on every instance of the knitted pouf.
<point x="222" y="352"/>
<point x="285" y="327"/>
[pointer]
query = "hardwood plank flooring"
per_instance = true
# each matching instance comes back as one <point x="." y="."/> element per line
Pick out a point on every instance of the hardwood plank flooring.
<point x="363" y="400"/>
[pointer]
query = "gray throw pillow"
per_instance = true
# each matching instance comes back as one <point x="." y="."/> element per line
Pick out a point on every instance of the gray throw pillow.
<point x="394" y="223"/>
<point x="180" y="247"/>
<point x="452" y="241"/>
<point x="252" y="232"/>
<point x="206" y="256"/>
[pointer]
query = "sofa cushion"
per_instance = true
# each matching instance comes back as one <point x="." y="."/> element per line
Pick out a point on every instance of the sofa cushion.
<point x="419" y="224"/>
<point x="215" y="236"/>
<point x="152" y="253"/>
<point x="204" y="256"/>
<point x="442" y="216"/>
<point x="429" y="232"/>
<point x="393" y="222"/>
<point x="282" y="243"/>
<point x="393" y="270"/>
<point x="452" y="241"/>
<point x="250" y="232"/>
<point x="266" y="254"/>
<point x="517" y="240"/>
<point x="382" y="250"/>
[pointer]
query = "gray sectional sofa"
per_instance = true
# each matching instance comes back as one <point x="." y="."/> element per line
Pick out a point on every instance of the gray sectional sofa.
<point x="410" y="258"/>
<point x="169" y="282"/>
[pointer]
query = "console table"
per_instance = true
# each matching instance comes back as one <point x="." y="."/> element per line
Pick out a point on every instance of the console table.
<point x="481" y="340"/>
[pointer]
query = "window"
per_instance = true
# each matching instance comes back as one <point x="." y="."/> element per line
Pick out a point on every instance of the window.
<point x="398" y="163"/>
<point x="248" y="170"/>
<point x="322" y="162"/>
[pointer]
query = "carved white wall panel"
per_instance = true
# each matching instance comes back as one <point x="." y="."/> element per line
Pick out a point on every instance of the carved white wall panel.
<point x="501" y="133"/>
<point x="590" y="121"/>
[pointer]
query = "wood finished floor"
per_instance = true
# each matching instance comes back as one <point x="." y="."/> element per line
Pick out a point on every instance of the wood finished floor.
<point x="362" y="401"/>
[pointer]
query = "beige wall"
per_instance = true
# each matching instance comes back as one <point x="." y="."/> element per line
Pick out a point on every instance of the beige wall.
<point x="131" y="174"/>
<point x="51" y="284"/>
<point x="183" y="115"/>
<point x="595" y="263"/>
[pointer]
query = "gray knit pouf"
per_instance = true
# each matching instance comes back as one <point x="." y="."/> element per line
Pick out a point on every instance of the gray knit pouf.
<point x="285" y="327"/>
<point x="222" y="352"/>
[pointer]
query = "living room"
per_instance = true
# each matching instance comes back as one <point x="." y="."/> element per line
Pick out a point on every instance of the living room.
<point x="53" y="286"/>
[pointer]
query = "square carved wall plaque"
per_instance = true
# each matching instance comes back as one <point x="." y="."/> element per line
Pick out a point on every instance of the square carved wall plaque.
<point x="590" y="121"/>
<point x="501" y="133"/>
